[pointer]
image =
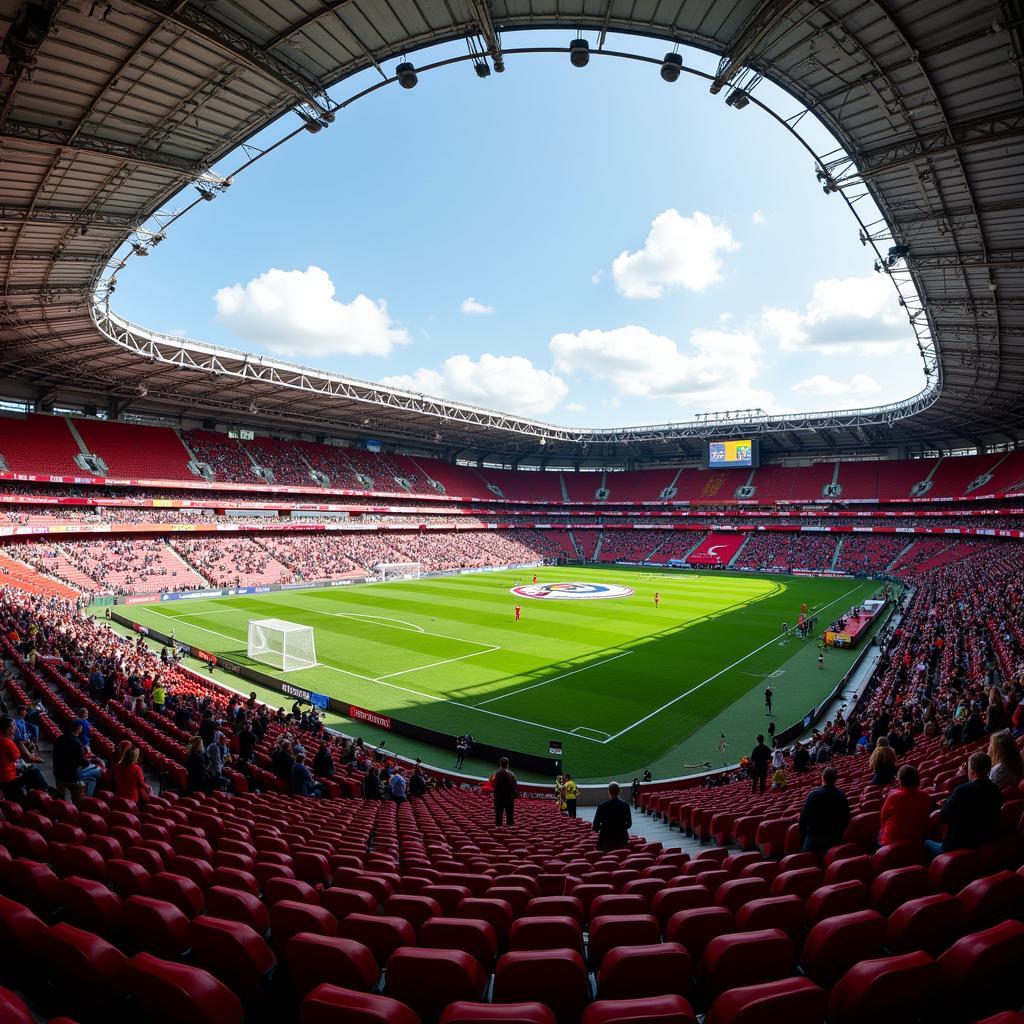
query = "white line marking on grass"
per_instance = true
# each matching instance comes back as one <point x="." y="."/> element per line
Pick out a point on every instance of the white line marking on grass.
<point x="544" y="682"/>
<point x="710" y="679"/>
<point x="394" y="686"/>
<point x="586" y="728"/>
<point x="434" y="664"/>
<point x="468" y="707"/>
<point x="406" y="627"/>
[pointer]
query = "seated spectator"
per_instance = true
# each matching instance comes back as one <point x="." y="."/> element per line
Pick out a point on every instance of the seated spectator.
<point x="25" y="732"/>
<point x="801" y="758"/>
<point x="1007" y="764"/>
<point x="972" y="811"/>
<point x="323" y="762"/>
<point x="906" y="811"/>
<point x="129" y="782"/>
<point x="282" y="760"/>
<point x="302" y="781"/>
<point x="883" y="763"/>
<point x="417" y="783"/>
<point x="371" y="784"/>
<point x="216" y="757"/>
<point x="825" y="815"/>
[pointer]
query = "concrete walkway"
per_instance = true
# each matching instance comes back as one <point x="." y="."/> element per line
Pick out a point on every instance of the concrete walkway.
<point x="653" y="831"/>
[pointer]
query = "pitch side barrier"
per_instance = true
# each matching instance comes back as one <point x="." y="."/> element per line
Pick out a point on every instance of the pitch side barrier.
<point x="445" y="741"/>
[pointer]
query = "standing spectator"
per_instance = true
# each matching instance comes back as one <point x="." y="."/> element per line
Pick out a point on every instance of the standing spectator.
<point x="760" y="756"/>
<point x="216" y="757"/>
<point x="1007" y="764"/>
<point x="506" y="789"/>
<point x="906" y="811"/>
<point x="371" y="784"/>
<point x="570" y="792"/>
<point x="68" y="761"/>
<point x="972" y="810"/>
<point x="612" y="821"/>
<point x="25" y="732"/>
<point x="417" y="783"/>
<point x="398" y="787"/>
<point x="801" y="758"/>
<point x="83" y="720"/>
<point x="768" y="695"/>
<point x="825" y="815"/>
<point x="129" y="781"/>
<point x="323" y="762"/>
<point x="461" y="750"/>
<point x="883" y="763"/>
<point x="635" y="792"/>
<point x="195" y="765"/>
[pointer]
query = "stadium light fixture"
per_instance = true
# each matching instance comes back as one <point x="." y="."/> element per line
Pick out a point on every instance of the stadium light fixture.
<point x="579" y="53"/>
<point x="482" y="69"/>
<point x="737" y="99"/>
<point x="499" y="65"/>
<point x="205" y="194"/>
<point x="139" y="250"/>
<point x="406" y="75"/>
<point x="671" y="67"/>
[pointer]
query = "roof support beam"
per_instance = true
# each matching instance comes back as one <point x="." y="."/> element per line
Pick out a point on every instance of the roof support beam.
<point x="753" y="32"/>
<point x="310" y="19"/>
<point x="43" y="135"/>
<point x="859" y="167"/>
<point x="58" y="215"/>
<point x="241" y="49"/>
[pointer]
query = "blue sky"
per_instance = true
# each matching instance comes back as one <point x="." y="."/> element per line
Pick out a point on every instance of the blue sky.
<point x="591" y="247"/>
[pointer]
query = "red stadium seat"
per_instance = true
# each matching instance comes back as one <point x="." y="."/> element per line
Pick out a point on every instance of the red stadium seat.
<point x="631" y="972"/>
<point x="330" y="1004"/>
<point x="326" y="959"/>
<point x="557" y="978"/>
<point x="736" y="892"/>
<point x="894" y="887"/>
<point x="785" y="912"/>
<point x="476" y="938"/>
<point x="694" y="929"/>
<point x="381" y="935"/>
<point x="675" y="898"/>
<point x="980" y="971"/>
<point x="835" y="944"/>
<point x="670" y="1009"/>
<point x="832" y="900"/>
<point x="620" y="930"/>
<point x="83" y="963"/>
<point x="289" y="917"/>
<point x="790" y="1000"/>
<point x="929" y="923"/>
<point x="13" y="1009"/>
<point x="989" y="900"/>
<point x="91" y="905"/>
<point x="155" y="926"/>
<point x="950" y="872"/>
<point x="554" y="906"/>
<point x="235" y="953"/>
<point x="236" y="905"/>
<point x="893" y="988"/>
<point x="414" y="909"/>
<point x="428" y="980"/>
<point x="745" y="958"/>
<point x="169" y="993"/>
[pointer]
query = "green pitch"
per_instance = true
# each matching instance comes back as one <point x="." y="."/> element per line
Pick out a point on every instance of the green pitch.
<point x="622" y="684"/>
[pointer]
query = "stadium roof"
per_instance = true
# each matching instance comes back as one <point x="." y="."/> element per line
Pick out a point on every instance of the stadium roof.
<point x="110" y="108"/>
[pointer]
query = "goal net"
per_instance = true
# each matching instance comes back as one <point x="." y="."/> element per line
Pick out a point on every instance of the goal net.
<point x="286" y="646"/>
<point x="398" y="571"/>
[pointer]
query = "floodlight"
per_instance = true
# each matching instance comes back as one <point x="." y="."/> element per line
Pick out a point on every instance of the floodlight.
<point x="579" y="53"/>
<point x="499" y="64"/>
<point x="482" y="69"/>
<point x="672" y="67"/>
<point x="205" y="193"/>
<point x="406" y="75"/>
<point x="738" y="99"/>
<point x="139" y="250"/>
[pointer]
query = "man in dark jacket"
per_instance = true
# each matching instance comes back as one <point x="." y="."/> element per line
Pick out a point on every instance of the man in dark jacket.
<point x="972" y="810"/>
<point x="760" y="758"/>
<point x="506" y="788"/>
<point x="68" y="760"/>
<point x="612" y="821"/>
<point x="825" y="815"/>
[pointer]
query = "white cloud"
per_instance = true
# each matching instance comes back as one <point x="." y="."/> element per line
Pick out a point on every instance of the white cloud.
<point x="295" y="313"/>
<point x="757" y="217"/>
<point x="849" y="315"/>
<point x="575" y="407"/>
<point x="511" y="383"/>
<point x="860" y="384"/>
<point x="717" y="369"/>
<point x="597" y="277"/>
<point x="680" y="252"/>
<point x="473" y="308"/>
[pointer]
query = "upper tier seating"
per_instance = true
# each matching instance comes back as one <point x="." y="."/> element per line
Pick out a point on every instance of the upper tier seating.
<point x="135" y="451"/>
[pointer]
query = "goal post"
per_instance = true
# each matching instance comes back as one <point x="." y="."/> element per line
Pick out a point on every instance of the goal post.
<point x="286" y="646"/>
<point x="398" y="571"/>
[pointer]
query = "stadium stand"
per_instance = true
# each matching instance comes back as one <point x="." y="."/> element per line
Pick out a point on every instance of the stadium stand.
<point x="39" y="444"/>
<point x="136" y="451"/>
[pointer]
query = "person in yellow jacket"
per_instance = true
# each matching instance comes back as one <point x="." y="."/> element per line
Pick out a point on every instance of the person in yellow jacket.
<point x="570" y="792"/>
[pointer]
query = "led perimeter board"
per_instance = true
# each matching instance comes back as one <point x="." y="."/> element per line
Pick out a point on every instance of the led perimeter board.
<point x="740" y="453"/>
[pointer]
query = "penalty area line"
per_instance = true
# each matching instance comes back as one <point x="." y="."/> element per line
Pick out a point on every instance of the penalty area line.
<point x="555" y="679"/>
<point x="711" y="679"/>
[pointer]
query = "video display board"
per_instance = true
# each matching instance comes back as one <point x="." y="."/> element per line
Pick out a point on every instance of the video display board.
<point x="740" y="453"/>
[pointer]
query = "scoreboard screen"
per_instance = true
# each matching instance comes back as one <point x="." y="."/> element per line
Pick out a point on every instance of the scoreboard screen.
<point x="738" y="454"/>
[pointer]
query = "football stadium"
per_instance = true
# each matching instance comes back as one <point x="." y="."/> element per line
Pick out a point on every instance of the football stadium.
<point x="350" y="674"/>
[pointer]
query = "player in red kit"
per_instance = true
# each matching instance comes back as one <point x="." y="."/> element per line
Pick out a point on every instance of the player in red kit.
<point x="518" y="612"/>
<point x="534" y="577"/>
<point x="657" y="599"/>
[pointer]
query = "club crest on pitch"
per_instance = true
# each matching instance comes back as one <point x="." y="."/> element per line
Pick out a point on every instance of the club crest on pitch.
<point x="572" y="591"/>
